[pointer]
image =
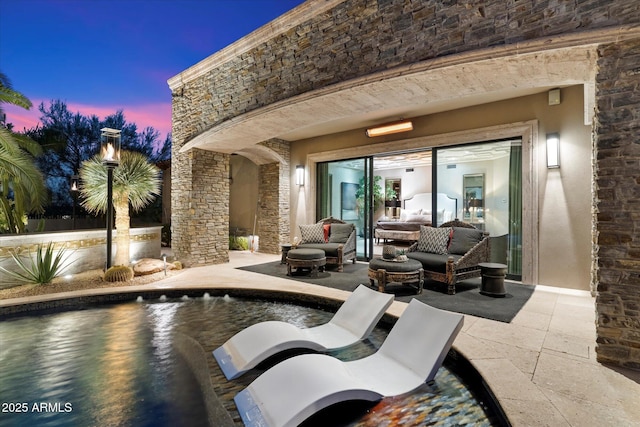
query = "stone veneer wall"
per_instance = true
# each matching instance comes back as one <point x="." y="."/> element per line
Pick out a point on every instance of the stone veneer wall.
<point x="359" y="37"/>
<point x="273" y="192"/>
<point x="617" y="150"/>
<point x="200" y="207"/>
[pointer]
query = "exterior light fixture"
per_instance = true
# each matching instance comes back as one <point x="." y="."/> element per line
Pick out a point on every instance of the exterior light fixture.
<point x="74" y="184"/>
<point x="300" y="175"/>
<point x="404" y="126"/>
<point x="553" y="150"/>
<point x="110" y="153"/>
<point x="74" y="189"/>
<point x="110" y="146"/>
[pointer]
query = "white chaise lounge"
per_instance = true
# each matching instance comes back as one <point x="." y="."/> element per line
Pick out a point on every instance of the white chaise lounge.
<point x="293" y="390"/>
<point x="354" y="321"/>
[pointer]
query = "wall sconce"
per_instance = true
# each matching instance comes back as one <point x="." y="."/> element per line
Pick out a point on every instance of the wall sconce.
<point x="390" y="128"/>
<point x="553" y="150"/>
<point x="300" y="175"/>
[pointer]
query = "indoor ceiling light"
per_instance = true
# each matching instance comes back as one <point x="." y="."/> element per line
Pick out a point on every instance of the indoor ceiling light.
<point x="390" y="128"/>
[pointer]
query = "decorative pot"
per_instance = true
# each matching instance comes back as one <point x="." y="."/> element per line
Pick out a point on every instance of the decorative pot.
<point x="402" y="258"/>
<point x="388" y="252"/>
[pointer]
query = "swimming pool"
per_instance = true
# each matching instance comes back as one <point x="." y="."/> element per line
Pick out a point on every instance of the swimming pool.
<point x="136" y="363"/>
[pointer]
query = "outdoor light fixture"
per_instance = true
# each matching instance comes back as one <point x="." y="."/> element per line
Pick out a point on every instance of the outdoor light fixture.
<point x="74" y="184"/>
<point x="110" y="153"/>
<point x="300" y="175"/>
<point x="404" y="126"/>
<point x="74" y="189"/>
<point x="164" y="261"/>
<point x="553" y="150"/>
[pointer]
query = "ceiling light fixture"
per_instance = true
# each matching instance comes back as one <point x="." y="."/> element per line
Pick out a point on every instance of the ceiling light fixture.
<point x="404" y="126"/>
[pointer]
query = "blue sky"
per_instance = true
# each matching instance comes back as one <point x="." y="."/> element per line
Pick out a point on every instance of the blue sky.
<point x="100" y="56"/>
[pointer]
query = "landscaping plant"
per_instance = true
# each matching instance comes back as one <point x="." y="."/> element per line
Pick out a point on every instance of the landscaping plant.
<point x="43" y="268"/>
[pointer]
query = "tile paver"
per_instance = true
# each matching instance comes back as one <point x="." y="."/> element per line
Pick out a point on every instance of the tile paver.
<point x="541" y="366"/>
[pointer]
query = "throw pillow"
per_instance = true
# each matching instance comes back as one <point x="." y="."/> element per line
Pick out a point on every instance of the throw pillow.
<point x="340" y="233"/>
<point x="464" y="239"/>
<point x="312" y="233"/>
<point x="419" y="218"/>
<point x="326" y="228"/>
<point x="434" y="240"/>
<point x="405" y="213"/>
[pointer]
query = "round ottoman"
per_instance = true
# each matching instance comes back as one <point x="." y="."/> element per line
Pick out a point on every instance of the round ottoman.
<point x="312" y="259"/>
<point x="407" y="272"/>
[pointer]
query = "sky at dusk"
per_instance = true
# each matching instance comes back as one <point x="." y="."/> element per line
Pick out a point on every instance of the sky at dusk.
<point x="100" y="56"/>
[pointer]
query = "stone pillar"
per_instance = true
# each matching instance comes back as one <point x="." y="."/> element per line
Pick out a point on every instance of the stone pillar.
<point x="617" y="193"/>
<point x="200" y="207"/>
<point x="273" y="192"/>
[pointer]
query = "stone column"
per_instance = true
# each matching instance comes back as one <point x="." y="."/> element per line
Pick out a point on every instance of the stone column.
<point x="617" y="201"/>
<point x="200" y="207"/>
<point x="273" y="192"/>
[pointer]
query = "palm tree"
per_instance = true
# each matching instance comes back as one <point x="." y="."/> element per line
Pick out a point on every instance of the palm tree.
<point x="22" y="188"/>
<point x="135" y="182"/>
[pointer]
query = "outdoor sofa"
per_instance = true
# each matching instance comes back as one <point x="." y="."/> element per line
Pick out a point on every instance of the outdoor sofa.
<point x="451" y="252"/>
<point x="335" y="237"/>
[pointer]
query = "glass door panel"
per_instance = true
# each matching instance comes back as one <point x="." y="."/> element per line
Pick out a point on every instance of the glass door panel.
<point x="485" y="180"/>
<point x="343" y="192"/>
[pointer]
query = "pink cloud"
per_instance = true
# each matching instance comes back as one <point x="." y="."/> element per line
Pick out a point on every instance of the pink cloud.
<point x="21" y="118"/>
<point x="156" y="115"/>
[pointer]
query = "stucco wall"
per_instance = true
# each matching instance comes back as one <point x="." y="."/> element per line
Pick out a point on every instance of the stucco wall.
<point x="243" y="194"/>
<point x="564" y="194"/>
<point x="86" y="249"/>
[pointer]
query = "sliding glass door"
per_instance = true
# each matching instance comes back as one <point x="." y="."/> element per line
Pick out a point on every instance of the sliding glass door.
<point x="485" y="181"/>
<point x="343" y="192"/>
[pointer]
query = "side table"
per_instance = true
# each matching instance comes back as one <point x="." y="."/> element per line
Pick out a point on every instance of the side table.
<point x="285" y="247"/>
<point x="493" y="275"/>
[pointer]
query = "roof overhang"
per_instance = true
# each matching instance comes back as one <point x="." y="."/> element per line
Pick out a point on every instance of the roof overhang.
<point x="438" y="85"/>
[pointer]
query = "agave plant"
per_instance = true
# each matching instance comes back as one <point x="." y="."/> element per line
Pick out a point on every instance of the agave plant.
<point x="43" y="268"/>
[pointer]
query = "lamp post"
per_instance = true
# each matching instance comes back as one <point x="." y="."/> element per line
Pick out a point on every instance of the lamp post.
<point x="74" y="189"/>
<point x="110" y="153"/>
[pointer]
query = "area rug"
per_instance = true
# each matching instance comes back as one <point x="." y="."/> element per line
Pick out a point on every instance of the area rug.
<point x="467" y="300"/>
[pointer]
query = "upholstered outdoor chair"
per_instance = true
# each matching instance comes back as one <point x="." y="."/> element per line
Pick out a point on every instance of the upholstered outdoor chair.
<point x="334" y="236"/>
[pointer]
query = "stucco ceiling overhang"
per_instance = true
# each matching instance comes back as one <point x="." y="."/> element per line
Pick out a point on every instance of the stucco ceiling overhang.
<point x="428" y="87"/>
<point x="415" y="92"/>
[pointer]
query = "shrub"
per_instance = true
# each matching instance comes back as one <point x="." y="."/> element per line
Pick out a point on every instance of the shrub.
<point x="177" y="265"/>
<point x="238" y="243"/>
<point x="44" y="268"/>
<point x="118" y="273"/>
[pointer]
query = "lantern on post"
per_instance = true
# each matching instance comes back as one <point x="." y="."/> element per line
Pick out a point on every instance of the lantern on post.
<point x="110" y="152"/>
<point x="74" y="188"/>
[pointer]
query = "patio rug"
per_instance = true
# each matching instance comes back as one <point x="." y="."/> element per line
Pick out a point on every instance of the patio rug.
<point x="467" y="300"/>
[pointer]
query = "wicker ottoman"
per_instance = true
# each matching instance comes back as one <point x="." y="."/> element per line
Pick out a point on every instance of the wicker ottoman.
<point x="409" y="272"/>
<point x="312" y="259"/>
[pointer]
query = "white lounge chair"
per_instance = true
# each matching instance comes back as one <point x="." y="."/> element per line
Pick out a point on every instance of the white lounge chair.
<point x="293" y="390"/>
<point x="354" y="321"/>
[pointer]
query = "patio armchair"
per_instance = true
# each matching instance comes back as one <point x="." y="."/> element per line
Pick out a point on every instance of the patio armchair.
<point x="335" y="237"/>
<point x="451" y="254"/>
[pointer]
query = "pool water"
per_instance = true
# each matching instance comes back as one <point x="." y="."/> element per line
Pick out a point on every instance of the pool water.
<point x="120" y="365"/>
